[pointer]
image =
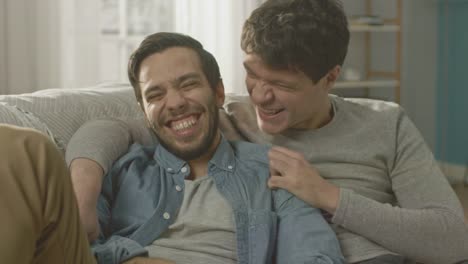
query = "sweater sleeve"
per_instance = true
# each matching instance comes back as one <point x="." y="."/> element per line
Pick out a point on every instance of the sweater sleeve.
<point x="104" y="141"/>
<point x="427" y="224"/>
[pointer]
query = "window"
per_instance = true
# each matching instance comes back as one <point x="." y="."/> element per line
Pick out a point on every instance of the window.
<point x="98" y="36"/>
<point x="123" y="25"/>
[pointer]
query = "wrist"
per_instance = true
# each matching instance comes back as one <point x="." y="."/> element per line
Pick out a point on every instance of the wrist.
<point x="331" y="198"/>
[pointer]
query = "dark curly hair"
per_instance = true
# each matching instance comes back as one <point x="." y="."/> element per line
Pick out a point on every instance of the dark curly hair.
<point x="161" y="41"/>
<point x="311" y="36"/>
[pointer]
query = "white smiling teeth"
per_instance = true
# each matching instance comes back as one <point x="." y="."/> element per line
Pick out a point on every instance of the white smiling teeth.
<point x="180" y="125"/>
<point x="271" y="112"/>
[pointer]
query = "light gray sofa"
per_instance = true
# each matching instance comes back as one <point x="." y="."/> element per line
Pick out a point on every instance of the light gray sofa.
<point x="60" y="112"/>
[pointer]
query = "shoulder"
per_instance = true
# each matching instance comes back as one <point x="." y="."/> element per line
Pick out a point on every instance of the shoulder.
<point x="251" y="163"/>
<point x="247" y="152"/>
<point x="138" y="155"/>
<point x="372" y="112"/>
<point x="368" y="106"/>
<point x="233" y="100"/>
<point x="239" y="108"/>
<point x="253" y="166"/>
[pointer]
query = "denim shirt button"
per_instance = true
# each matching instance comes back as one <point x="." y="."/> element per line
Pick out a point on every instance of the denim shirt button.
<point x="178" y="188"/>
<point x="183" y="170"/>
<point x="169" y="169"/>
<point x="230" y="167"/>
<point x="166" y="216"/>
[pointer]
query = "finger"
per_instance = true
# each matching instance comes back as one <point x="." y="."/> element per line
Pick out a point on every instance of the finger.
<point x="288" y="152"/>
<point x="282" y="155"/>
<point x="284" y="163"/>
<point x="278" y="166"/>
<point x="274" y="154"/>
<point x="274" y="171"/>
<point x="275" y="182"/>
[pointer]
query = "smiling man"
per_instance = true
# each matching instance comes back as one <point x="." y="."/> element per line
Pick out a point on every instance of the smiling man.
<point x="280" y="110"/>
<point x="196" y="197"/>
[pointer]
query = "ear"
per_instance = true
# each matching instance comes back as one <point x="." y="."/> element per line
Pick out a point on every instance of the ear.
<point x="219" y="94"/>
<point x="332" y="76"/>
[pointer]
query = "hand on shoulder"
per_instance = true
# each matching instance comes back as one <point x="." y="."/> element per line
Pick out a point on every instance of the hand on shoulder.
<point x="291" y="171"/>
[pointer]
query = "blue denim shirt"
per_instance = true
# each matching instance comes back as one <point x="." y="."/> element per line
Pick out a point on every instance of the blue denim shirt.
<point x="143" y="191"/>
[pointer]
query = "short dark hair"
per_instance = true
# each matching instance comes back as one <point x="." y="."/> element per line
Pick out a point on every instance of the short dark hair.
<point x="161" y="41"/>
<point x="311" y="36"/>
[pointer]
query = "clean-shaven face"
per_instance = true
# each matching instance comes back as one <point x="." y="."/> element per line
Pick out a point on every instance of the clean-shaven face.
<point x="180" y="106"/>
<point x="285" y="99"/>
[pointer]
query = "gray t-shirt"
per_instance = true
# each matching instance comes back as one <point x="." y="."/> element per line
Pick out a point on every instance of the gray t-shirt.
<point x="203" y="231"/>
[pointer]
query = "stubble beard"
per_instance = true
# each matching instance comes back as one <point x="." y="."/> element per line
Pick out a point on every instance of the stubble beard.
<point x="200" y="148"/>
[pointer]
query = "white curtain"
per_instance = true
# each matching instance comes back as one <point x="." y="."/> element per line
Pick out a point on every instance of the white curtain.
<point x="29" y="45"/>
<point x="217" y="25"/>
<point x="56" y="43"/>
<point x="80" y="58"/>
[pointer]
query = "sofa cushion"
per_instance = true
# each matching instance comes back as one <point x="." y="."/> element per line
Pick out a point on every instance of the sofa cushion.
<point x="60" y="112"/>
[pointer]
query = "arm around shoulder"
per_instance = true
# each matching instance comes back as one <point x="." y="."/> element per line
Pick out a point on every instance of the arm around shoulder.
<point x="90" y="152"/>
<point x="104" y="141"/>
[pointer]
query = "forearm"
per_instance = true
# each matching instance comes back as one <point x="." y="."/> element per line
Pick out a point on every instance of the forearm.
<point x="435" y="234"/>
<point x="87" y="178"/>
<point x="104" y="141"/>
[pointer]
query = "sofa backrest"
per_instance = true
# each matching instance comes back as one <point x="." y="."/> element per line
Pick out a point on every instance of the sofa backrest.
<point x="60" y="112"/>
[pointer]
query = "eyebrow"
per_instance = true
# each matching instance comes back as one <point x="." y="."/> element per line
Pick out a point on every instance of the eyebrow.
<point x="175" y="82"/>
<point x="181" y="79"/>
<point x="152" y="89"/>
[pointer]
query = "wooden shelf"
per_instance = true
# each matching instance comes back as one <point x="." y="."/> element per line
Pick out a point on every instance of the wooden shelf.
<point x="369" y="23"/>
<point x="374" y="28"/>
<point x="367" y="84"/>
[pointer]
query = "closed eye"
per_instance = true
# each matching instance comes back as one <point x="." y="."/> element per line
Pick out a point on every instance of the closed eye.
<point x="154" y="96"/>
<point x="189" y="85"/>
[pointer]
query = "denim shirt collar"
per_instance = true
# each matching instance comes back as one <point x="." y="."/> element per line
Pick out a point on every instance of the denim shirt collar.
<point x="223" y="157"/>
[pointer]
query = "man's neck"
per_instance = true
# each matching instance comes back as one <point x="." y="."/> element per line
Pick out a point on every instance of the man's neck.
<point x="199" y="166"/>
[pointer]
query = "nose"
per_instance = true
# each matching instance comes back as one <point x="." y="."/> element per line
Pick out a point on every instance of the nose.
<point x="261" y="93"/>
<point x="175" y="101"/>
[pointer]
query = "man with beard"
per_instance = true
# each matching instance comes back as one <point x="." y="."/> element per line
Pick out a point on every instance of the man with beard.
<point x="196" y="197"/>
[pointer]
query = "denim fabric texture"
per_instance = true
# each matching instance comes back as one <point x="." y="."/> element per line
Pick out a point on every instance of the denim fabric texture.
<point x="144" y="190"/>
